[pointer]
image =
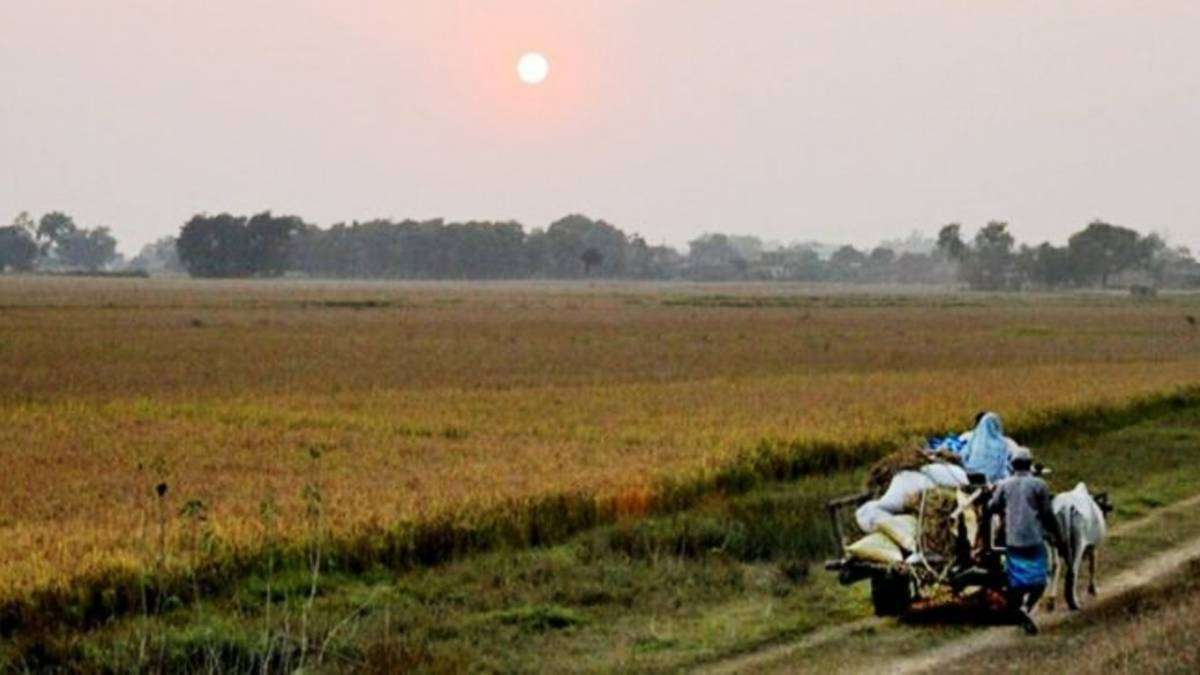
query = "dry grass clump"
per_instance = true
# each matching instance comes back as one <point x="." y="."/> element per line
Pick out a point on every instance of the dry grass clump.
<point x="452" y="417"/>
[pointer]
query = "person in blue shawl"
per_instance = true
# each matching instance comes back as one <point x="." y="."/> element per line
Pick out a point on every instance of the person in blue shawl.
<point x="988" y="450"/>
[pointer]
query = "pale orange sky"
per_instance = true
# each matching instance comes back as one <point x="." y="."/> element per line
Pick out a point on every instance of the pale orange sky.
<point x="847" y="121"/>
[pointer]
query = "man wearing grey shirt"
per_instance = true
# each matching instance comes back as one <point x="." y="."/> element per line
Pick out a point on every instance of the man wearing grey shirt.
<point x="1025" y="502"/>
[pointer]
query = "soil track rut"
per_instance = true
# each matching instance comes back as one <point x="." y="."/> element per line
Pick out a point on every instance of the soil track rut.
<point x="1149" y="571"/>
<point x="770" y="656"/>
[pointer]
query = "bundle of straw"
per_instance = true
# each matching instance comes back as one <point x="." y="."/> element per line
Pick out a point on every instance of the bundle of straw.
<point x="912" y="458"/>
<point x="939" y="527"/>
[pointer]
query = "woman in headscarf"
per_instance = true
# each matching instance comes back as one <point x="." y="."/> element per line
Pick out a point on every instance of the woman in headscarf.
<point x="988" y="451"/>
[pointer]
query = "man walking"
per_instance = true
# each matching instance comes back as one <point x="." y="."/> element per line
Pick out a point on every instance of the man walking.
<point x="1025" y="501"/>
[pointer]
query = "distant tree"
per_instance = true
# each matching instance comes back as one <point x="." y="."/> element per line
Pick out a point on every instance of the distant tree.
<point x="87" y="249"/>
<point x="880" y="264"/>
<point x="539" y="257"/>
<point x="158" y="256"/>
<point x="638" y="261"/>
<point x="1045" y="266"/>
<point x="847" y="264"/>
<point x="566" y="239"/>
<point x="921" y="268"/>
<point x="53" y="228"/>
<point x="408" y="249"/>
<point x="749" y="248"/>
<point x="490" y="250"/>
<point x="591" y="257"/>
<point x="712" y="249"/>
<point x="1102" y="250"/>
<point x="950" y="243"/>
<point x="1154" y="256"/>
<point x="64" y="244"/>
<point x="741" y="267"/>
<point x="18" y="250"/>
<point x="215" y="246"/>
<point x="882" y="256"/>
<point x="804" y="264"/>
<point x="268" y="242"/>
<point x="25" y="222"/>
<point x="1175" y="267"/>
<point x="326" y="253"/>
<point x="236" y="246"/>
<point x="989" y="264"/>
<point x="652" y="262"/>
<point x="714" y="257"/>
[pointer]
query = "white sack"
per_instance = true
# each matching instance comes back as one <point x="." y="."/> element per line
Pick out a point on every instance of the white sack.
<point x="902" y="530"/>
<point x="869" y="515"/>
<point x="876" y="548"/>
<point x="906" y="487"/>
<point x="945" y="474"/>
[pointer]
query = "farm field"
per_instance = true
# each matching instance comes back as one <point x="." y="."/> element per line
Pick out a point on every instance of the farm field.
<point x="729" y="583"/>
<point x="510" y="413"/>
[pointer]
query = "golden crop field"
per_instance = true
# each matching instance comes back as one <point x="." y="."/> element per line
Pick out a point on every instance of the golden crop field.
<point x="421" y="399"/>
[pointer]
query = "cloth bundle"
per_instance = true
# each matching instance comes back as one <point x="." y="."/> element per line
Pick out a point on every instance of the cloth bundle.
<point x="952" y="443"/>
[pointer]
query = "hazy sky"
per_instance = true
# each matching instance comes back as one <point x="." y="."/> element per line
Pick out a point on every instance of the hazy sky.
<point x="845" y="121"/>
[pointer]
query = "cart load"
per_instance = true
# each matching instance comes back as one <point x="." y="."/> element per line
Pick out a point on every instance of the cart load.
<point x="906" y="486"/>
<point x="915" y="528"/>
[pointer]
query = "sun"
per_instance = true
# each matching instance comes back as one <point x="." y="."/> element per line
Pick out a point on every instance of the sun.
<point x="533" y="68"/>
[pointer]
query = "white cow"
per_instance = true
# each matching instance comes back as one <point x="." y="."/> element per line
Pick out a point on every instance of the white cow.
<point x="1081" y="519"/>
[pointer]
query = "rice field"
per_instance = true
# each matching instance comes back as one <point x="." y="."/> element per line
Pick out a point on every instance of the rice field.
<point x="356" y="412"/>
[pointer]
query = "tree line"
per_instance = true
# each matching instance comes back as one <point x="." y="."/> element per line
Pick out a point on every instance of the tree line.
<point x="576" y="246"/>
<point x="54" y="242"/>
<point x="269" y="245"/>
<point x="1093" y="256"/>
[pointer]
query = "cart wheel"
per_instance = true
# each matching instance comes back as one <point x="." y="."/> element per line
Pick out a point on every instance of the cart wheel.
<point x="891" y="594"/>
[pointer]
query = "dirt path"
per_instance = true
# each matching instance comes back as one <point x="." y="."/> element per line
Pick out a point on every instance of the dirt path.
<point x="1147" y="572"/>
<point x="769" y="656"/>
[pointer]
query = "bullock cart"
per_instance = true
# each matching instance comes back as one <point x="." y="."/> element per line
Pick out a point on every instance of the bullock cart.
<point x="957" y="557"/>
